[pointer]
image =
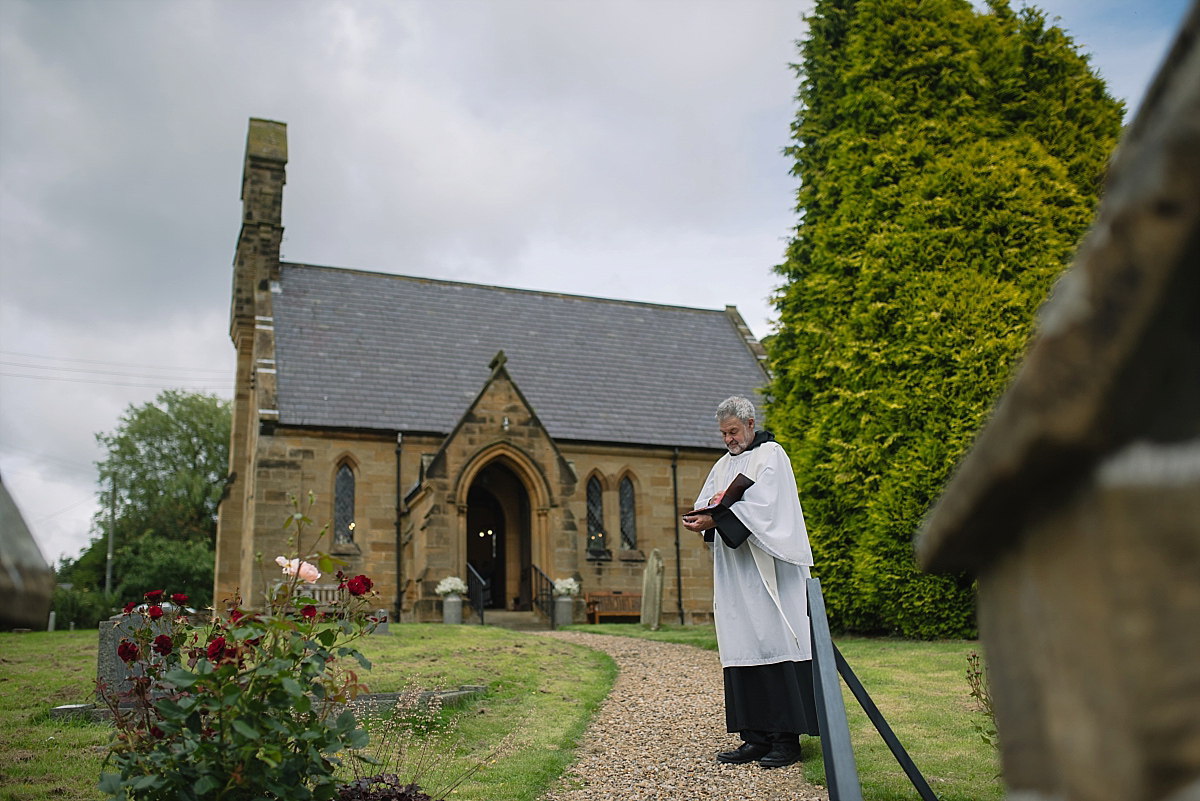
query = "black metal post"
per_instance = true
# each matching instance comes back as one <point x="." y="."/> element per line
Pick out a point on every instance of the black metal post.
<point x="841" y="774"/>
<point x="476" y="590"/>
<point x="399" y="532"/>
<point x="678" y="558"/>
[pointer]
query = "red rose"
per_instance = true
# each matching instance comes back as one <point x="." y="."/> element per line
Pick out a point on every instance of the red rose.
<point x="359" y="585"/>
<point x="309" y="612"/>
<point x="129" y="606"/>
<point x="154" y="596"/>
<point x="179" y="598"/>
<point x="127" y="650"/>
<point x="163" y="645"/>
<point x="216" y="648"/>
<point x="157" y="732"/>
<point x="236" y="615"/>
<point x="155" y="612"/>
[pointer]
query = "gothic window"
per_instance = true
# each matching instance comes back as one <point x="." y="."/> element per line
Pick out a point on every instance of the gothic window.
<point x="343" y="505"/>
<point x="628" y="516"/>
<point x="595" y="516"/>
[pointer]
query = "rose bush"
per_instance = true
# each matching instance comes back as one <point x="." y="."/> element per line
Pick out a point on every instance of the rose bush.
<point x="243" y="707"/>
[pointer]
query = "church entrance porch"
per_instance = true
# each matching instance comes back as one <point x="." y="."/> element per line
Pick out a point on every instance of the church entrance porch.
<point x="498" y="537"/>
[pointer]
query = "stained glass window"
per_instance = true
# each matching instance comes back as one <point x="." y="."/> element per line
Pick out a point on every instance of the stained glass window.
<point x="628" y="516"/>
<point x="595" y="515"/>
<point x="343" y="505"/>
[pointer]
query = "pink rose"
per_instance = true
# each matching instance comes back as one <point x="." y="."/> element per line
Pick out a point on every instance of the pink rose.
<point x="293" y="567"/>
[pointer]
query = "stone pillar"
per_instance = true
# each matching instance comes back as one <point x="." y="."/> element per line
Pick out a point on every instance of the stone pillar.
<point x="255" y="276"/>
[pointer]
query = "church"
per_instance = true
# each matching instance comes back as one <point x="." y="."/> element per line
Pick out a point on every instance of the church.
<point x="455" y="429"/>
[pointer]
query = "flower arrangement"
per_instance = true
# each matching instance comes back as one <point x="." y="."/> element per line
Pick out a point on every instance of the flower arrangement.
<point x="451" y="585"/>
<point x="566" y="586"/>
<point x="247" y="706"/>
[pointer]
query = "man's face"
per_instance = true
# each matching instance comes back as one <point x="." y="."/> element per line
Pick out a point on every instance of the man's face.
<point x="737" y="435"/>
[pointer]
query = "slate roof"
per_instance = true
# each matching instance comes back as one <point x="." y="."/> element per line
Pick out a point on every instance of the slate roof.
<point x="378" y="351"/>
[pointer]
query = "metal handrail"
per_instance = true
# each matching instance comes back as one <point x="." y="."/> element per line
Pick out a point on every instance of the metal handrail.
<point x="543" y="593"/>
<point x="841" y="773"/>
<point x="477" y="590"/>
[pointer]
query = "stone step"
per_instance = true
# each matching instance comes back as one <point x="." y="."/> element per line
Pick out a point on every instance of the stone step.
<point x="515" y="621"/>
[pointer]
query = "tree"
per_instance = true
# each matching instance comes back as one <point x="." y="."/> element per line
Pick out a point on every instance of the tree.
<point x="169" y="459"/>
<point x="949" y="162"/>
<point x="151" y="562"/>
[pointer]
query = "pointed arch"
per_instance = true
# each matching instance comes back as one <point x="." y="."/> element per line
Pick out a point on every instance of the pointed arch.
<point x="521" y="463"/>
<point x="537" y="487"/>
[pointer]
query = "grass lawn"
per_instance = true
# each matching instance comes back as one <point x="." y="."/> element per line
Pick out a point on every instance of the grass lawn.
<point x="541" y="693"/>
<point x="922" y="691"/>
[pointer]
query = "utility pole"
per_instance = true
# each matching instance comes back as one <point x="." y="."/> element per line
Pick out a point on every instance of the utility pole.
<point x="112" y="533"/>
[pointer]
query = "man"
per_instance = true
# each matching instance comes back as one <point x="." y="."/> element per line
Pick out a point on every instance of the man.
<point x="760" y="562"/>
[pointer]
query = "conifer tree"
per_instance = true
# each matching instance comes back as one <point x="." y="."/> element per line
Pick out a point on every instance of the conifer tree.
<point x="949" y="162"/>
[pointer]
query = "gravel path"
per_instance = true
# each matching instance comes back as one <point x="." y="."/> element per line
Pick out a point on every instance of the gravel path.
<point x="657" y="733"/>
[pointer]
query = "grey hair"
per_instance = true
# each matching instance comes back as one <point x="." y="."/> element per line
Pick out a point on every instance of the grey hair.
<point x="735" y="406"/>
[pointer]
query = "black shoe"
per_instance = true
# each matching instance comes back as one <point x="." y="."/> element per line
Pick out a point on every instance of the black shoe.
<point x="746" y="752"/>
<point x="781" y="756"/>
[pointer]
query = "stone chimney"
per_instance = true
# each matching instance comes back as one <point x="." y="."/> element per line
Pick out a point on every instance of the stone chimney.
<point x="256" y="262"/>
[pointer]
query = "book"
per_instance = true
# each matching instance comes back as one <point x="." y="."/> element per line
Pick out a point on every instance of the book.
<point x="737" y="488"/>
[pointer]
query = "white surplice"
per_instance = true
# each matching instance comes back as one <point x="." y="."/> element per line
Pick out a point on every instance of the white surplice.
<point x="759" y="600"/>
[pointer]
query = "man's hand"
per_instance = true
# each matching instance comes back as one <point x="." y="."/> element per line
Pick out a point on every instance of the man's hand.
<point x="699" y="523"/>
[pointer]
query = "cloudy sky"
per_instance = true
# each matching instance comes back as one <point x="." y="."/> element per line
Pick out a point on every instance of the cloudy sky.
<point x="620" y="149"/>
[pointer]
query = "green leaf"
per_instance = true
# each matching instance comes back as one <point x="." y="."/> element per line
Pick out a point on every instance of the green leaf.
<point x="206" y="784"/>
<point x="246" y="729"/>
<point x="356" y="739"/>
<point x="181" y="678"/>
<point x="111" y="783"/>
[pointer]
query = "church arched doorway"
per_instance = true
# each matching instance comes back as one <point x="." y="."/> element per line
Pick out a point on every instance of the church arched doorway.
<point x="498" y="536"/>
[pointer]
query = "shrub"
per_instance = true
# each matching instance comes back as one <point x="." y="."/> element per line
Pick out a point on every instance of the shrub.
<point x="245" y="707"/>
<point x="949" y="159"/>
<point x="151" y="561"/>
<point x="82" y="606"/>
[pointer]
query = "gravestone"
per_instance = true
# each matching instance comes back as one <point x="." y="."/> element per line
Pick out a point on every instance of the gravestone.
<point x="110" y="668"/>
<point x="652" y="590"/>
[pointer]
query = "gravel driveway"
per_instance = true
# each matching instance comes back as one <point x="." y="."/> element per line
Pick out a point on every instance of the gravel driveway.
<point x="657" y="733"/>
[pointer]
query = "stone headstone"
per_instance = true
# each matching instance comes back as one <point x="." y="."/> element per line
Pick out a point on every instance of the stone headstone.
<point x="652" y="590"/>
<point x="110" y="668"/>
<point x="50" y="625"/>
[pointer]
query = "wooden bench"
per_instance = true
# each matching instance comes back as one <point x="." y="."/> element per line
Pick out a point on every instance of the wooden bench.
<point x="612" y="604"/>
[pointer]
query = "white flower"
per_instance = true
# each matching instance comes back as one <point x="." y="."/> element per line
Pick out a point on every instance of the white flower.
<point x="450" y="584"/>
<point x="566" y="586"/>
